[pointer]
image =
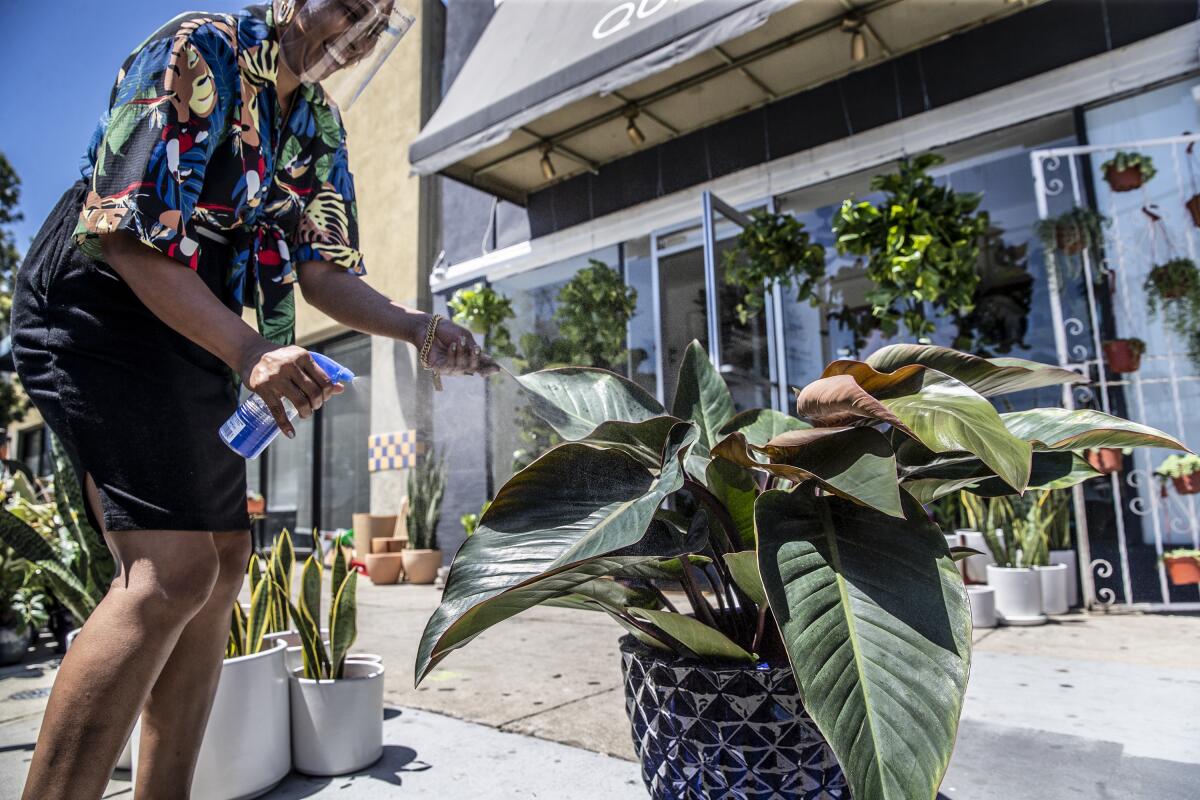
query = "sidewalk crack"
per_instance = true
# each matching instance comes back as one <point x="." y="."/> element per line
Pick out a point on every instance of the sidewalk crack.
<point x="564" y="704"/>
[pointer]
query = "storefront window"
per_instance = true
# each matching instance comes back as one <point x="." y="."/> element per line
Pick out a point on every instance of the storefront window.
<point x="643" y="352"/>
<point x="345" y="427"/>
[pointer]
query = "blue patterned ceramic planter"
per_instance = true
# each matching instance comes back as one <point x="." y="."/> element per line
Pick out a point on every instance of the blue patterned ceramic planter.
<point x="723" y="733"/>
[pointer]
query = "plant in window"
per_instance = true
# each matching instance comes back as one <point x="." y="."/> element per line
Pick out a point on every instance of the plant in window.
<point x="999" y="320"/>
<point x="827" y="580"/>
<point x="774" y="248"/>
<point x="1127" y="171"/>
<point x="484" y="311"/>
<point x="1072" y="232"/>
<point x="921" y="245"/>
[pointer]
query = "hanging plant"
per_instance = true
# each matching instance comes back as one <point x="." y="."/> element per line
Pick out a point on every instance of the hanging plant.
<point x="484" y="311"/>
<point x="1176" y="279"/>
<point x="1183" y="471"/>
<point x="1128" y="171"/>
<point x="1073" y="232"/>
<point x="1124" y="355"/>
<point x="921" y="245"/>
<point x="774" y="247"/>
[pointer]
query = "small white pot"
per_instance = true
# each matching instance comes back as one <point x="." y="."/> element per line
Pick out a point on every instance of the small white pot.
<point x="1069" y="558"/>
<point x="1018" y="595"/>
<point x="247" y="748"/>
<point x="337" y="726"/>
<point x="125" y="760"/>
<point x="1054" y="588"/>
<point x="295" y="651"/>
<point x="976" y="566"/>
<point x="983" y="606"/>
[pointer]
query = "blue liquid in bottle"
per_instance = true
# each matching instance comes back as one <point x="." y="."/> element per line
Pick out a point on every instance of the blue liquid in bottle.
<point x="252" y="428"/>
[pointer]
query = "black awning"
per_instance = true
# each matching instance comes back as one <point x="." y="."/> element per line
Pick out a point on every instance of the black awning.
<point x="537" y="56"/>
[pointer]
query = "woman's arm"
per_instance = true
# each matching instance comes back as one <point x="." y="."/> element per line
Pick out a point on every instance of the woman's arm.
<point x="178" y="297"/>
<point x="351" y="301"/>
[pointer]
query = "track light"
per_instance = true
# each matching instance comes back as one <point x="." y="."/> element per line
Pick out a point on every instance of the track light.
<point x="632" y="130"/>
<point x="547" y="165"/>
<point x="858" y="42"/>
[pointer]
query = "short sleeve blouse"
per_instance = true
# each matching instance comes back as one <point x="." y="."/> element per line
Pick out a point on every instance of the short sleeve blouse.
<point x="195" y="158"/>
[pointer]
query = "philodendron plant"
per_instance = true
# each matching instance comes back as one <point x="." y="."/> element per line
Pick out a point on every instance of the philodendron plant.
<point x="809" y="532"/>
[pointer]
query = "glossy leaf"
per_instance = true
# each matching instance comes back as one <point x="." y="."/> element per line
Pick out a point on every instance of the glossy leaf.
<point x="1081" y="429"/>
<point x="259" y="617"/>
<point x="988" y="377"/>
<point x="761" y="425"/>
<point x="743" y="567"/>
<point x="343" y="625"/>
<point x="702" y="397"/>
<point x="606" y="594"/>
<point x="642" y="440"/>
<point x="838" y="401"/>
<point x="737" y="490"/>
<point x="853" y="462"/>
<point x="706" y="642"/>
<point x="875" y="620"/>
<point x="946" y="474"/>
<point x="571" y="516"/>
<point x="576" y="400"/>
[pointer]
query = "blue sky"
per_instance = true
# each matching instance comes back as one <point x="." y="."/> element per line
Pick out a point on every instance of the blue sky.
<point x="59" y="60"/>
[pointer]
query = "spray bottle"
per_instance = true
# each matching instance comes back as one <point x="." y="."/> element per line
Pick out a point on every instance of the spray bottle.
<point x="252" y="427"/>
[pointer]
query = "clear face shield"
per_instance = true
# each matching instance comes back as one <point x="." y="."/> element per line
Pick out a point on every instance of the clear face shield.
<point x="341" y="44"/>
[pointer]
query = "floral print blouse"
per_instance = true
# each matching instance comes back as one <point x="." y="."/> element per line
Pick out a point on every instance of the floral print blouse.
<point x="195" y="158"/>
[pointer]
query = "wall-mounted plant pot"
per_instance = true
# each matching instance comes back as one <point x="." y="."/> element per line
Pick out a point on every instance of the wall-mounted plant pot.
<point x="1069" y="558"/>
<point x="337" y="725"/>
<point x="421" y="566"/>
<point x="1054" y="588"/>
<point x="368" y="527"/>
<point x="1124" y="180"/>
<point x="983" y="606"/>
<point x="723" y="732"/>
<point x="1122" y="356"/>
<point x="1183" y="571"/>
<point x="1068" y="239"/>
<point x="384" y="568"/>
<point x="1018" y="595"/>
<point x="1193" y="207"/>
<point x="247" y="746"/>
<point x="1187" y="484"/>
<point x="1106" y="460"/>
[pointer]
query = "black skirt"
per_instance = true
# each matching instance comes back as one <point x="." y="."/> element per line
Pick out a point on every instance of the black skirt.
<point x="134" y="403"/>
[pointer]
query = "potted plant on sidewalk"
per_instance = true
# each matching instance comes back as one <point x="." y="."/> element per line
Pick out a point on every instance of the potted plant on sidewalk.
<point x="811" y="568"/>
<point x="1183" y="471"/>
<point x="426" y="487"/>
<point x="774" y="248"/>
<point x="337" y="701"/>
<point x="22" y="606"/>
<point x="1183" y="566"/>
<point x="1127" y="171"/>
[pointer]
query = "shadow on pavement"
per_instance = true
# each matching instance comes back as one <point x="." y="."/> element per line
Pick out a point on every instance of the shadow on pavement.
<point x="390" y="768"/>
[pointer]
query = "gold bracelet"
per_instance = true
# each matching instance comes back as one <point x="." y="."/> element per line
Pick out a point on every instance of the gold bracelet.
<point x="427" y="347"/>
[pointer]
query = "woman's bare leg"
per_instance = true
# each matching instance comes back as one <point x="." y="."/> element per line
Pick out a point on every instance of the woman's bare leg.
<point x="176" y="712"/>
<point x="165" y="578"/>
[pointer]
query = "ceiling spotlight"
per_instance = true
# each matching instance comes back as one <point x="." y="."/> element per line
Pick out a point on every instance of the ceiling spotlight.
<point x="858" y="41"/>
<point x="547" y="165"/>
<point x="632" y="130"/>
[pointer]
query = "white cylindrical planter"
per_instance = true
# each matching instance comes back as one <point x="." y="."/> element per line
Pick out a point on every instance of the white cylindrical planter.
<point x="247" y="745"/>
<point x="983" y="606"/>
<point x="295" y="651"/>
<point x="976" y="566"/>
<point x="337" y="726"/>
<point x="1018" y="595"/>
<point x="1069" y="558"/>
<point x="125" y="760"/>
<point x="1054" y="588"/>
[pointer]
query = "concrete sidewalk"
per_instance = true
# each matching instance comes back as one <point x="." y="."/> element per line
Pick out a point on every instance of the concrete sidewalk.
<point x="1094" y="706"/>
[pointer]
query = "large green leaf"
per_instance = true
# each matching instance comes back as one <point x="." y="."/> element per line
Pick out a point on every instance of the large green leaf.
<point x="1082" y="429"/>
<point x="706" y="642"/>
<point x="737" y="490"/>
<point x="875" y="620"/>
<point x="575" y="514"/>
<point x="857" y="463"/>
<point x="702" y="397"/>
<point x="936" y="475"/>
<point x="743" y="567"/>
<point x="606" y="594"/>
<point x="837" y="401"/>
<point x="576" y="400"/>
<point x="761" y="425"/>
<point x="988" y="377"/>
<point x="642" y="440"/>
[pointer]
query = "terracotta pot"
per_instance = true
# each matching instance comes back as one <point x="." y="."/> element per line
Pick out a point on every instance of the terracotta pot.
<point x="1120" y="356"/>
<point x="1182" y="571"/>
<point x="1193" y="207"/>
<point x="421" y="566"/>
<point x="1187" y="484"/>
<point x="258" y="506"/>
<point x="1106" y="460"/>
<point x="388" y="544"/>
<point x="384" y="568"/>
<point x="371" y="526"/>
<point x="1124" y="180"/>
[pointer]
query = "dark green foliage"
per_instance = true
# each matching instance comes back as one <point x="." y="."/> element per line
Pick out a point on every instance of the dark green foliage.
<point x="775" y="247"/>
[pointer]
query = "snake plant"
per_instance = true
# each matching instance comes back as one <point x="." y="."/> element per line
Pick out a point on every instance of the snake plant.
<point x="321" y="663"/>
<point x="800" y="541"/>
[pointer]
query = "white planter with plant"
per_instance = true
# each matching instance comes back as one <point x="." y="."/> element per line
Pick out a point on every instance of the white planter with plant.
<point x="1054" y="588"/>
<point x="1070" y="559"/>
<point x="426" y="487"/>
<point x="983" y="606"/>
<point x="337" y="702"/>
<point x="1018" y="595"/>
